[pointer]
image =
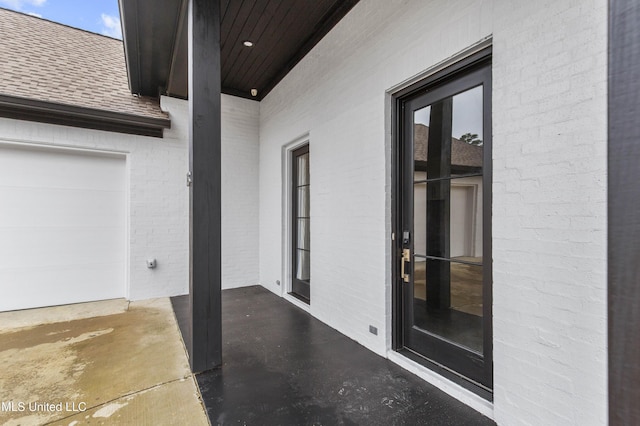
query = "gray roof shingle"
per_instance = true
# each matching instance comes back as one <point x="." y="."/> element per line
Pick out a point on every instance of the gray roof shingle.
<point x="51" y="62"/>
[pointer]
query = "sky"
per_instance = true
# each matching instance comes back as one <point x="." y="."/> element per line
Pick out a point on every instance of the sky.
<point x="98" y="16"/>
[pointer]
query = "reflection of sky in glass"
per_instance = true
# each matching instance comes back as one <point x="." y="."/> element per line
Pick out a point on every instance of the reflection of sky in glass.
<point x="467" y="113"/>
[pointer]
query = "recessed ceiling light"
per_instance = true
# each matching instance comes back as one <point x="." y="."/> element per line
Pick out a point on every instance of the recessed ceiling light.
<point x="254" y="92"/>
<point x="247" y="43"/>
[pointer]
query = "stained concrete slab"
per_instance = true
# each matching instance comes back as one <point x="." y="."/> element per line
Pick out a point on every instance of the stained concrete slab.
<point x="281" y="366"/>
<point x="15" y="320"/>
<point x="125" y="368"/>
<point x="179" y="398"/>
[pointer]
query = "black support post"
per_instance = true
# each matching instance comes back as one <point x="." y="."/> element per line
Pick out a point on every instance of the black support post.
<point x="624" y="212"/>
<point x="205" y="351"/>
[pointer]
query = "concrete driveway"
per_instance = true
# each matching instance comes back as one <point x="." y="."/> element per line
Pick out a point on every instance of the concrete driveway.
<point x="110" y="362"/>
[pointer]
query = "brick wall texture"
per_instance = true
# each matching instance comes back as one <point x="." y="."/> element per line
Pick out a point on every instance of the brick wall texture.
<point x="158" y="198"/>
<point x="549" y="180"/>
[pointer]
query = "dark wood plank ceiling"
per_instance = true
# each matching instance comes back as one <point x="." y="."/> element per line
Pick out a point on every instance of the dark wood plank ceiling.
<point x="283" y="32"/>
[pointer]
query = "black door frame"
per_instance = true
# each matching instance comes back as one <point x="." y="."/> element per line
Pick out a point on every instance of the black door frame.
<point x="444" y="76"/>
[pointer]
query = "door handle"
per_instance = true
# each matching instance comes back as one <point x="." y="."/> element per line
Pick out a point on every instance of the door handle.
<point x="406" y="257"/>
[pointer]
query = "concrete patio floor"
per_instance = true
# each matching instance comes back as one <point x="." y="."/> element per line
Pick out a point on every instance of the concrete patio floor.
<point x="109" y="362"/>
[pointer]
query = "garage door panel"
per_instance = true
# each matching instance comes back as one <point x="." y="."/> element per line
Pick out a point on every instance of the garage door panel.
<point x="49" y="168"/>
<point x="45" y="207"/>
<point x="63" y="246"/>
<point x="59" y="285"/>
<point x="62" y="227"/>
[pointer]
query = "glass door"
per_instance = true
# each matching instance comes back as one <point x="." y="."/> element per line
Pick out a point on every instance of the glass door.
<point x="301" y="223"/>
<point x="445" y="273"/>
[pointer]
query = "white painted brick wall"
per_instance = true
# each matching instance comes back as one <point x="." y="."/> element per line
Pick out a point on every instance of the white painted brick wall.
<point x="239" y="191"/>
<point x="549" y="207"/>
<point x="239" y="120"/>
<point x="549" y="240"/>
<point x="158" y="200"/>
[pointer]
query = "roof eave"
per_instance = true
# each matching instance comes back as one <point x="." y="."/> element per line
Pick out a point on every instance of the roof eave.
<point x="129" y="16"/>
<point x="89" y="118"/>
<point x="149" y="32"/>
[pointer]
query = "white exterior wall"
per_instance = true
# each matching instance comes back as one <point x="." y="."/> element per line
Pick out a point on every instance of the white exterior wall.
<point x="158" y="198"/>
<point x="549" y="198"/>
<point x="240" y="121"/>
<point x="549" y="213"/>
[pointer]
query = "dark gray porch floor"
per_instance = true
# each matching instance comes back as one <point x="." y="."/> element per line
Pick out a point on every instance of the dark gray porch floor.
<point x="281" y="366"/>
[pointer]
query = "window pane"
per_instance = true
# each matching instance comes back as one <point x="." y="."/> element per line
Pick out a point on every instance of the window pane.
<point x="303" y="234"/>
<point x="303" y="201"/>
<point x="421" y="139"/>
<point x="448" y="301"/>
<point x="438" y="221"/>
<point x="303" y="170"/>
<point x="420" y="214"/>
<point x="303" y="265"/>
<point x="301" y="220"/>
<point x="448" y="136"/>
<point x="453" y="219"/>
<point x="465" y="219"/>
<point x="420" y="282"/>
<point x="467" y="117"/>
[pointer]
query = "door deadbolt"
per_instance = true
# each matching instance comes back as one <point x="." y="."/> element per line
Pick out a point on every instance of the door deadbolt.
<point x="405" y="237"/>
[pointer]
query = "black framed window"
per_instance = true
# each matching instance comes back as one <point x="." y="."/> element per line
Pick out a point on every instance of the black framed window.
<point x="301" y="225"/>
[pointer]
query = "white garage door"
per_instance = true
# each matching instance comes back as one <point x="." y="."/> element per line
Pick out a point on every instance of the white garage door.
<point x="62" y="227"/>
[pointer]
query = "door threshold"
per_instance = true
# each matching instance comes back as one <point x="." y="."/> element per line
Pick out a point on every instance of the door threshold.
<point x="477" y="388"/>
<point x="297" y="302"/>
<point x="455" y="388"/>
<point x="300" y="298"/>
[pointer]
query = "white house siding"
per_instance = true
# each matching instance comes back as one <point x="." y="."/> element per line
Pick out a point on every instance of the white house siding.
<point x="549" y="199"/>
<point x="239" y="191"/>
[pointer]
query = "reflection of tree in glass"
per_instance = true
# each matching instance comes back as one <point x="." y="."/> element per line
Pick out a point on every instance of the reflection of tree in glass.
<point x="471" y="139"/>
